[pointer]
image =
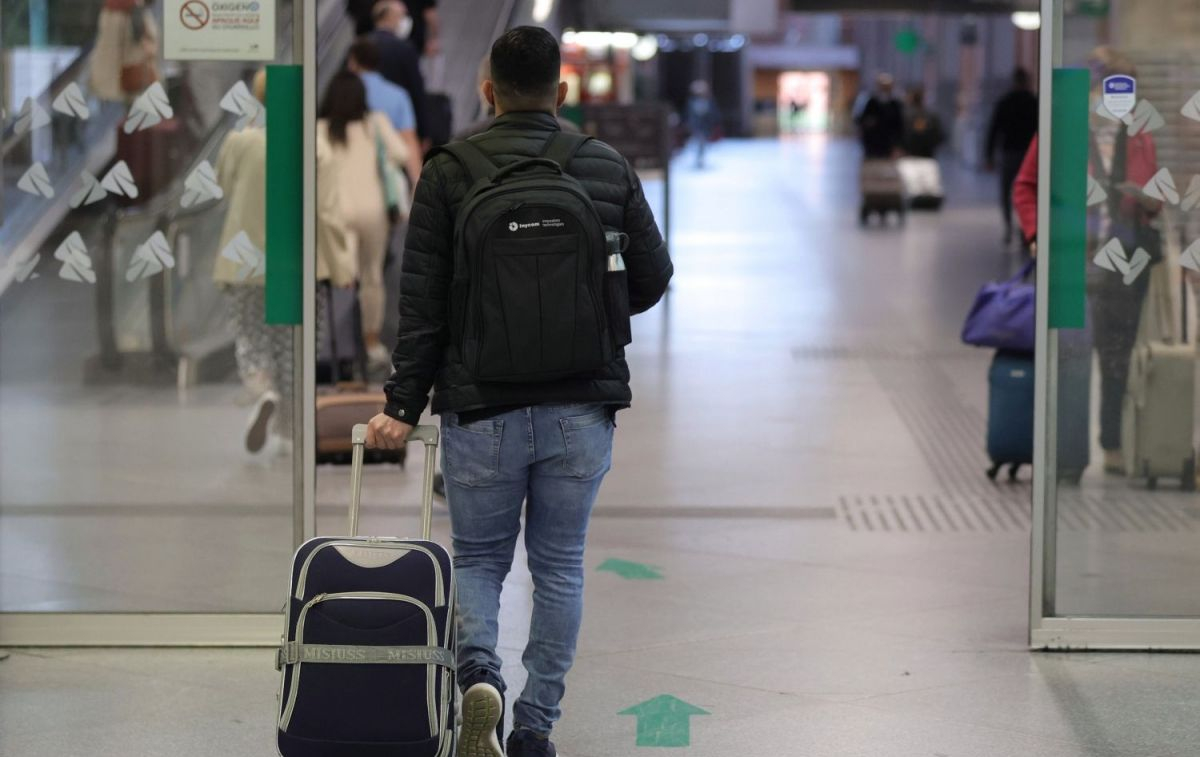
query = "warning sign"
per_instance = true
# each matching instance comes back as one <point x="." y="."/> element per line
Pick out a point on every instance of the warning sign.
<point x="195" y="15"/>
<point x="219" y="30"/>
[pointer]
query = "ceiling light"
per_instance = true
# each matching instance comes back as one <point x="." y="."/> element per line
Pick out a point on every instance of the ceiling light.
<point x="646" y="48"/>
<point x="624" y="40"/>
<point x="542" y="10"/>
<point x="1029" y="21"/>
<point x="601" y="40"/>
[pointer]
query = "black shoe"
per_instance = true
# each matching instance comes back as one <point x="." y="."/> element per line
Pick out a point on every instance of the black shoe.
<point x="482" y="720"/>
<point x="524" y="743"/>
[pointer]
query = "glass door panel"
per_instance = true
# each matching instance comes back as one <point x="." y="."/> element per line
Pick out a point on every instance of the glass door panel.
<point x="146" y="429"/>
<point x="1122" y="260"/>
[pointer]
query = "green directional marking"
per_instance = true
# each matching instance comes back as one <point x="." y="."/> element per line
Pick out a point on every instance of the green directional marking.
<point x="664" y="721"/>
<point x="631" y="571"/>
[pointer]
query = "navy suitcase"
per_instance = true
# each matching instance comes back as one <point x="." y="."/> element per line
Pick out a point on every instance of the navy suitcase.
<point x="1010" y="412"/>
<point x="368" y="661"/>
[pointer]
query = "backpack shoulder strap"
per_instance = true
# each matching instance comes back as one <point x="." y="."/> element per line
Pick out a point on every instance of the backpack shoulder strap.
<point x="562" y="147"/>
<point x="477" y="163"/>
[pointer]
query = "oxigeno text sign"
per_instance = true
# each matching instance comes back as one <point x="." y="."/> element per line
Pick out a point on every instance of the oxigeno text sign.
<point x="219" y="29"/>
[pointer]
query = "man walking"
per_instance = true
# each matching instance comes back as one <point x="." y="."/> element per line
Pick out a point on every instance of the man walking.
<point x="399" y="61"/>
<point x="880" y="121"/>
<point x="702" y="118"/>
<point x="1014" y="122"/>
<point x="387" y="98"/>
<point x="542" y="444"/>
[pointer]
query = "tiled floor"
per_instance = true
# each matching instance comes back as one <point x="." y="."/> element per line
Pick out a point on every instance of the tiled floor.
<point x="802" y="372"/>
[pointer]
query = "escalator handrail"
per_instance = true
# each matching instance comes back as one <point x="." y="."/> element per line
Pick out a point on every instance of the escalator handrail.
<point x="167" y="203"/>
<point x="167" y="211"/>
<point x="9" y="139"/>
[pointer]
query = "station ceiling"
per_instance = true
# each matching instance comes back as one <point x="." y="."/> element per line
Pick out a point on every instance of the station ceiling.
<point x="715" y="15"/>
<point x="912" y="6"/>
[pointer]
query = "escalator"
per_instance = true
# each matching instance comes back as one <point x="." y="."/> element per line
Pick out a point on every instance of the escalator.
<point x="167" y="329"/>
<point x="164" y="329"/>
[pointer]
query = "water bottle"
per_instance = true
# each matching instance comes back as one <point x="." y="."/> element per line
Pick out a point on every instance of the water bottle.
<point x="617" y="242"/>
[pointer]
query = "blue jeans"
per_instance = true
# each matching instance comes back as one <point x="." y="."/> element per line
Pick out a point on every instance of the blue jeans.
<point x="551" y="459"/>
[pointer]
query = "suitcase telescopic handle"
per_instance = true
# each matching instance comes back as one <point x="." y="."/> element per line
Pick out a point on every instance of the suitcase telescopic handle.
<point x="427" y="435"/>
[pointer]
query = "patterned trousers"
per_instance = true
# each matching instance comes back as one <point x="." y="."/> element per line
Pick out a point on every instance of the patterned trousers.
<point x="265" y="354"/>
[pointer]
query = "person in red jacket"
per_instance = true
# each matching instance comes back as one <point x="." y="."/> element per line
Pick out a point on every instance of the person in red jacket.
<point x="1121" y="165"/>
<point x="1024" y="195"/>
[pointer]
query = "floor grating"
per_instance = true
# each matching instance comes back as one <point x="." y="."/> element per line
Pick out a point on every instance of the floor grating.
<point x="1006" y="509"/>
<point x="950" y="433"/>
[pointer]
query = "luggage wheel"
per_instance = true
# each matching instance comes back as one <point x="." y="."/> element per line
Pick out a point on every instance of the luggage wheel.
<point x="1188" y="484"/>
<point x="994" y="471"/>
<point x="1013" y="470"/>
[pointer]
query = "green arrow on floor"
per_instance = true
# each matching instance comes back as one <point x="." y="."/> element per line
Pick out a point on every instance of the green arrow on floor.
<point x="664" y="721"/>
<point x="630" y="571"/>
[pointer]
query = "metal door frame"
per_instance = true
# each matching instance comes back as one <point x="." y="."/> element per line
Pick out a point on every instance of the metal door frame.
<point x="1046" y="630"/>
<point x="79" y="629"/>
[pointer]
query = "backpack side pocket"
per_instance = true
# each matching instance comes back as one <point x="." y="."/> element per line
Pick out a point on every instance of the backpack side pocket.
<point x="616" y="302"/>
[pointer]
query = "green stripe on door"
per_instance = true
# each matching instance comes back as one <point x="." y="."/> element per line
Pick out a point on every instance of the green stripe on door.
<point x="285" y="195"/>
<point x="1068" y="198"/>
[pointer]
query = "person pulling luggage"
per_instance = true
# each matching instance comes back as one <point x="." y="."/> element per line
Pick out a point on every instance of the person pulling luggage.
<point x="521" y="319"/>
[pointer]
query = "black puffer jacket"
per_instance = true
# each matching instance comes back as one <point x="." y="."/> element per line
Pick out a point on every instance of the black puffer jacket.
<point x="427" y="352"/>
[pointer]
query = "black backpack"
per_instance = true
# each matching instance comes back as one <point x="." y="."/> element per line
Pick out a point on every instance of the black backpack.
<point x="528" y="300"/>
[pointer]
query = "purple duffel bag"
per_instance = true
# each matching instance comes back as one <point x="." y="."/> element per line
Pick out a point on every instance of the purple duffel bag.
<point x="1004" y="314"/>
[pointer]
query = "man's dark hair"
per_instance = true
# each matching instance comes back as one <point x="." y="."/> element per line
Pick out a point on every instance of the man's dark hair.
<point x="365" y="53"/>
<point x="526" y="66"/>
<point x="1021" y="78"/>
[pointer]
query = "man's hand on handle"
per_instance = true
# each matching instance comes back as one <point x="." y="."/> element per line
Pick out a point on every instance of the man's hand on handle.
<point x="385" y="432"/>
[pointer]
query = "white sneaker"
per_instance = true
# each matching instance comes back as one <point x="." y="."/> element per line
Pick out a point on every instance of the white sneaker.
<point x="482" y="709"/>
<point x="260" y="422"/>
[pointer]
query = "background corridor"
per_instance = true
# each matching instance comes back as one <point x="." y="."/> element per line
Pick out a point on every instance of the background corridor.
<point x="797" y="536"/>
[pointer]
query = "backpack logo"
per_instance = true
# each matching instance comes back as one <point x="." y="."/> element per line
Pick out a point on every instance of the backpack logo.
<point x="514" y="226"/>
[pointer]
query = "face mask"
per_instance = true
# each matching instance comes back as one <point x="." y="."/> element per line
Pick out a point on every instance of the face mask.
<point x="404" y="28"/>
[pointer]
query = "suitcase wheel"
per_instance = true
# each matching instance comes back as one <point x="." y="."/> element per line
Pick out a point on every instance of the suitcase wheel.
<point x="994" y="471"/>
<point x="1013" y="470"/>
<point x="1188" y="484"/>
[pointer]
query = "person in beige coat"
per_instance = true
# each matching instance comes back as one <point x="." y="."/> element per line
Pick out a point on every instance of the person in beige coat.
<point x="125" y="56"/>
<point x="265" y="355"/>
<point x="351" y="140"/>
